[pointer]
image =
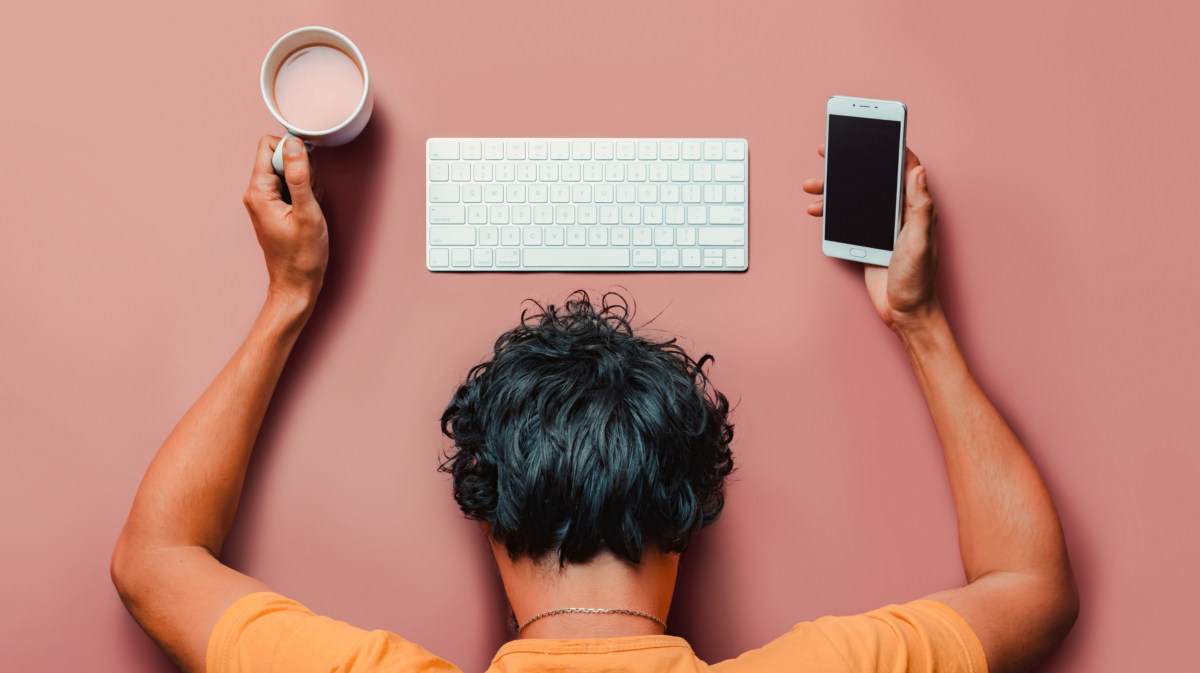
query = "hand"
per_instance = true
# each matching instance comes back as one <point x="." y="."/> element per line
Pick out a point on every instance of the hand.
<point x="903" y="293"/>
<point x="294" y="238"/>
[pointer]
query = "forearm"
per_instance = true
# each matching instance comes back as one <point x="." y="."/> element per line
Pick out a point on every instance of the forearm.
<point x="1006" y="518"/>
<point x="190" y="492"/>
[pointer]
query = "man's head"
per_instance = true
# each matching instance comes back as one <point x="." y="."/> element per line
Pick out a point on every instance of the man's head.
<point x="579" y="435"/>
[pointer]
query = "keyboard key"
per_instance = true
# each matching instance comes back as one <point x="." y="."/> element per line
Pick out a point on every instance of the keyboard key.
<point x="581" y="149"/>
<point x="543" y="214"/>
<point x="581" y="193"/>
<point x="636" y="172"/>
<point x="564" y="214"/>
<point x="493" y="194"/>
<point x="722" y="235"/>
<point x="713" y="193"/>
<point x="510" y="235"/>
<point x="476" y="214"/>
<point x="626" y="151"/>
<point x="618" y="236"/>
<point x="593" y="171"/>
<point x="570" y="172"/>
<point x="514" y="149"/>
<point x="652" y="214"/>
<point x="560" y="149"/>
<point x="711" y="262"/>
<point x="691" y="257"/>
<point x="443" y="193"/>
<point x="526" y="172"/>
<point x="481" y="172"/>
<point x="498" y="214"/>
<point x="735" y="194"/>
<point x="493" y="150"/>
<point x="712" y="151"/>
<point x="514" y="193"/>
<point x="735" y="257"/>
<point x="439" y="171"/>
<point x="538" y="194"/>
<point x="645" y="193"/>
<point x="735" y="150"/>
<point x="483" y="257"/>
<point x="641" y="236"/>
<point x="668" y="257"/>
<point x="447" y="215"/>
<point x="508" y="257"/>
<point x="645" y="257"/>
<point x="685" y="236"/>
<point x="451" y="235"/>
<point x="604" y="149"/>
<point x="442" y="149"/>
<point x="663" y="236"/>
<point x="505" y="171"/>
<point x="489" y="235"/>
<point x="647" y="150"/>
<point x="659" y="171"/>
<point x="727" y="215"/>
<point x="731" y="173"/>
<point x="472" y="149"/>
<point x="531" y="235"/>
<point x="555" y="236"/>
<point x="668" y="150"/>
<point x="539" y="149"/>
<point x="631" y="214"/>
<point x="560" y="194"/>
<point x="681" y="172"/>
<point x="697" y="215"/>
<point x="460" y="171"/>
<point x="597" y="236"/>
<point x="439" y="257"/>
<point x="701" y="172"/>
<point x="674" y="215"/>
<point x="691" y="194"/>
<point x="472" y="193"/>
<point x="563" y="257"/>
<point x="460" y="257"/>
<point x="587" y="214"/>
<point x="691" y="150"/>
<point x="609" y="215"/>
<point x="576" y="236"/>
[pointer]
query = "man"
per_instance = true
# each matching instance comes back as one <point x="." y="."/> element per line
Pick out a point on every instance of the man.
<point x="590" y="456"/>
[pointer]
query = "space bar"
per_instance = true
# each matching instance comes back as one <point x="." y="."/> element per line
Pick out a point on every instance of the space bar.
<point x="581" y="258"/>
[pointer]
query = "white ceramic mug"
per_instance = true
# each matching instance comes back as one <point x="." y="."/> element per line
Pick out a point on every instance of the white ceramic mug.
<point x="338" y="135"/>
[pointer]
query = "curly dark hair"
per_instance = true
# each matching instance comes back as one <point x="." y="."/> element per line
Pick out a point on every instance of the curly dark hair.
<point x="579" y="434"/>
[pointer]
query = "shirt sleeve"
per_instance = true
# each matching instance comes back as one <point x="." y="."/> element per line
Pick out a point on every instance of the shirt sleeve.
<point x="921" y="636"/>
<point x="266" y="632"/>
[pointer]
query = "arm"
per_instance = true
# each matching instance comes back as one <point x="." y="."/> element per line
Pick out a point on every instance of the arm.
<point x="164" y="564"/>
<point x="1020" y="597"/>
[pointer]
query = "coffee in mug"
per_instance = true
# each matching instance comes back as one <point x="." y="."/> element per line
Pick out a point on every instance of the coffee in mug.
<point x="317" y="87"/>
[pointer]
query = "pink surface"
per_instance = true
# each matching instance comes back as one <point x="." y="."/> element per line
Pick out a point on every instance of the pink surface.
<point x="1061" y="145"/>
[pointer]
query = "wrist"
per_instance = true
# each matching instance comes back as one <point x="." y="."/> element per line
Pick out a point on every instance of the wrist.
<point x="924" y="330"/>
<point x="291" y="304"/>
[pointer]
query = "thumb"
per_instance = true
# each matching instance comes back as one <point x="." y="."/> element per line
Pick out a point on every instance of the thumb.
<point x="297" y="172"/>
<point x="918" y="213"/>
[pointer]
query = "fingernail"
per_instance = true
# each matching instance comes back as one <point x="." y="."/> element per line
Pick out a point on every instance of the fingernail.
<point x="921" y="178"/>
<point x="292" y="147"/>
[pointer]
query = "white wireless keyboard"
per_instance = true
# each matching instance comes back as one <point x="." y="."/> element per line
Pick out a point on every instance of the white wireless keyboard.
<point x="586" y="204"/>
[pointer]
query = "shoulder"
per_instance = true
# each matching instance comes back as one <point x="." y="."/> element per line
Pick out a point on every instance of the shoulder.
<point x="922" y="635"/>
<point x="268" y="629"/>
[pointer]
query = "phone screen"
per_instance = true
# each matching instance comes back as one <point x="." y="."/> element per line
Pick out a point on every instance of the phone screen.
<point x="860" y="181"/>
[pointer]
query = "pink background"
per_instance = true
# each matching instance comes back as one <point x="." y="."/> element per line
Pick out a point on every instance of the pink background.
<point x="1061" y="146"/>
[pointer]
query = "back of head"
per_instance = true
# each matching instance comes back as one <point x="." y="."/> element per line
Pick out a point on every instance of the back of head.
<point x="580" y="435"/>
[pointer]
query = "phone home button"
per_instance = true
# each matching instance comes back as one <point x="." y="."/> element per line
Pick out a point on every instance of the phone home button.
<point x="858" y="252"/>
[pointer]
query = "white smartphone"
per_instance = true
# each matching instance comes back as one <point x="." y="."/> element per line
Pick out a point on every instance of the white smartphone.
<point x="864" y="178"/>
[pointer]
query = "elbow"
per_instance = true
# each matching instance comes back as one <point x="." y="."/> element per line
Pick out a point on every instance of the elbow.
<point x="120" y="568"/>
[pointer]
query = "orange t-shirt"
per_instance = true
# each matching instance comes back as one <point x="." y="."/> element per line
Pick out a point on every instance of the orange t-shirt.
<point x="268" y="632"/>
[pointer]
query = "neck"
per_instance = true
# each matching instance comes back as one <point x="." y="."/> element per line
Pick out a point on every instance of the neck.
<point x="537" y="586"/>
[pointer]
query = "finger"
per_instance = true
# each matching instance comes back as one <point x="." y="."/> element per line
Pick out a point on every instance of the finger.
<point x="919" y="213"/>
<point x="821" y="150"/>
<point x="264" y="184"/>
<point x="814" y="186"/>
<point x="298" y="174"/>
<point x="816" y="208"/>
<point x="910" y="160"/>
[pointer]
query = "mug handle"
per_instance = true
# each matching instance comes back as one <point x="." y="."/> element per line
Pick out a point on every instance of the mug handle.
<point x="277" y="158"/>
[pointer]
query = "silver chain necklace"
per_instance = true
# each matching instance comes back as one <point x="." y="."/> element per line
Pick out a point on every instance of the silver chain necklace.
<point x="617" y="611"/>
